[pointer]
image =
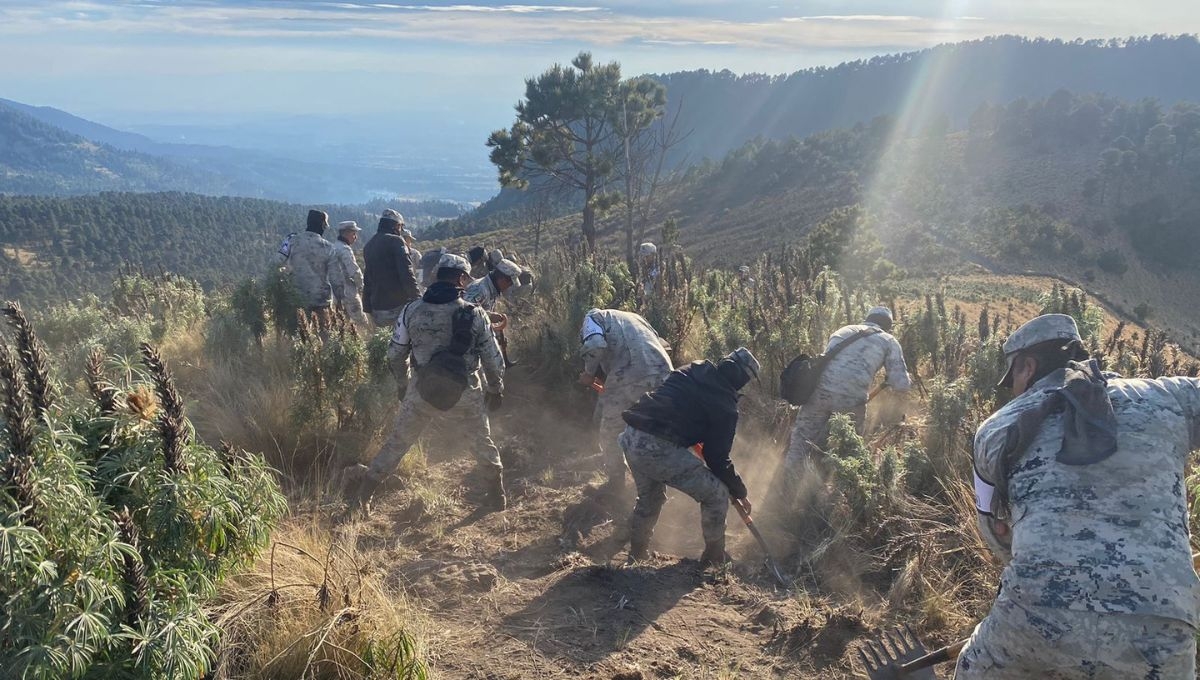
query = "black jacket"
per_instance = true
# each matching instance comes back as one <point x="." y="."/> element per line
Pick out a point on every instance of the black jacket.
<point x="388" y="281"/>
<point x="695" y="405"/>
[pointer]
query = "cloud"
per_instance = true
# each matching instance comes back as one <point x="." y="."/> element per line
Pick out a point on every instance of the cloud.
<point x="856" y="17"/>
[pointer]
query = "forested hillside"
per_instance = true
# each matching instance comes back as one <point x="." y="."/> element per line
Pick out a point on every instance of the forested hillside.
<point x="723" y="110"/>
<point x="1101" y="191"/>
<point x="59" y="248"/>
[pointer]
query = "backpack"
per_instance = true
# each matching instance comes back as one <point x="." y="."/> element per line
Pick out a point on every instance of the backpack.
<point x="802" y="375"/>
<point x="442" y="380"/>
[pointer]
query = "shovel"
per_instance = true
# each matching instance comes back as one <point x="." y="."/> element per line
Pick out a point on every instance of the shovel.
<point x="698" y="451"/>
<point x="762" y="543"/>
<point x="899" y="654"/>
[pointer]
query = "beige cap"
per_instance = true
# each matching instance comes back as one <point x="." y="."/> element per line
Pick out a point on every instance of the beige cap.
<point x="350" y="225"/>
<point x="510" y="269"/>
<point x="450" y="261"/>
<point x="1040" y="329"/>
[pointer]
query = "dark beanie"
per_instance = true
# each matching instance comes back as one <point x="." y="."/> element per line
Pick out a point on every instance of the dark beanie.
<point x="475" y="254"/>
<point x="317" y="221"/>
<point x="733" y="373"/>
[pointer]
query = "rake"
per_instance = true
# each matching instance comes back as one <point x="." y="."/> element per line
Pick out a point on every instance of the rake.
<point x="899" y="654"/>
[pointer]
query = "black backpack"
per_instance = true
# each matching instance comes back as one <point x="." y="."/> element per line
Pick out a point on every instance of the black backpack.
<point x="442" y="380"/>
<point x="802" y="375"/>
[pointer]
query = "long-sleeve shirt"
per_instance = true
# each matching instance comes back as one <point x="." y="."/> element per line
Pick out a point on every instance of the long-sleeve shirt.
<point x="847" y="379"/>
<point x="695" y="405"/>
<point x="1110" y="536"/>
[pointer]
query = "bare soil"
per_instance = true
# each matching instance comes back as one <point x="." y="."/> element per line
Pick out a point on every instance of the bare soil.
<point x="537" y="591"/>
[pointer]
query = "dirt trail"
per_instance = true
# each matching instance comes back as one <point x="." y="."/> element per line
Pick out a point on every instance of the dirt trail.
<point x="529" y="593"/>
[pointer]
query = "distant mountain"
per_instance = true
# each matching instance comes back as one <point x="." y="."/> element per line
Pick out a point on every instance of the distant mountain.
<point x="939" y="86"/>
<point x="36" y="157"/>
<point x="95" y="132"/>
<point x="310" y="172"/>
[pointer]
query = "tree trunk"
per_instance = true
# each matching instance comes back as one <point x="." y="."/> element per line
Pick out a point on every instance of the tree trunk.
<point x="589" y="224"/>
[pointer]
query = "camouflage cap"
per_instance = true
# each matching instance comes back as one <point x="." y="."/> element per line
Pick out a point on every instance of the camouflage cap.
<point x="744" y="358"/>
<point x="392" y="216"/>
<point x="510" y="269"/>
<point x="350" y="225"/>
<point x="1040" y="329"/>
<point x="880" y="310"/>
<point x="647" y="249"/>
<point x="451" y="261"/>
<point x="406" y="233"/>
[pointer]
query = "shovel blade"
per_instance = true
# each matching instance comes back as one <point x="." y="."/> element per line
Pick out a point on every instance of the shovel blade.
<point x="882" y="656"/>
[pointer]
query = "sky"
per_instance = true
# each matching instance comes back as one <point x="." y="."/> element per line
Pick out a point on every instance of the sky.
<point x="155" y="61"/>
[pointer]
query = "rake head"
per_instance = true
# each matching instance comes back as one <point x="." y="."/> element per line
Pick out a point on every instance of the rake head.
<point x="883" y="656"/>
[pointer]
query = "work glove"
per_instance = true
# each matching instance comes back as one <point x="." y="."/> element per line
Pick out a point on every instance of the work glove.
<point x="493" y="401"/>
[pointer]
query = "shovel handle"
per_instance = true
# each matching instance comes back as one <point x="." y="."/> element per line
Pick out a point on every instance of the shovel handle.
<point x="947" y="653"/>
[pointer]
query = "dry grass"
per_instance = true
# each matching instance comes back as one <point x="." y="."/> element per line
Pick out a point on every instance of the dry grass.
<point x="316" y="608"/>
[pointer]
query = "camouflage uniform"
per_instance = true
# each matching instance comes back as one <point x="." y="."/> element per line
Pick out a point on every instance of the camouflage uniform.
<point x="656" y="464"/>
<point x="310" y="260"/>
<point x="422" y="329"/>
<point x="1098" y="579"/>
<point x="844" y="388"/>
<point x="347" y="280"/>
<point x="634" y="360"/>
<point x="483" y="292"/>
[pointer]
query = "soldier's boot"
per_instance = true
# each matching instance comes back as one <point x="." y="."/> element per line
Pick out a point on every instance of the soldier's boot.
<point x="714" y="554"/>
<point x="639" y="548"/>
<point x="360" y="487"/>
<point x="497" y="499"/>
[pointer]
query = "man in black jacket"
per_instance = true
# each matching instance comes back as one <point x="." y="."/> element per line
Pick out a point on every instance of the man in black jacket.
<point x="389" y="282"/>
<point x="696" y="405"/>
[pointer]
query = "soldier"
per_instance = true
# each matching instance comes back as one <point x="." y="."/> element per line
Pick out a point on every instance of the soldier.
<point x="477" y="256"/>
<point x="309" y="258"/>
<point x="846" y="382"/>
<point x="423" y="328"/>
<point x="487" y="290"/>
<point x="695" y="405"/>
<point x="389" y="283"/>
<point x="1080" y="493"/>
<point x="346" y="276"/>
<point x="634" y="360"/>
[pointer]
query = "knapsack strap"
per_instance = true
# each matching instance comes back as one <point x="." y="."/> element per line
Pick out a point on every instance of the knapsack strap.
<point x="858" y="335"/>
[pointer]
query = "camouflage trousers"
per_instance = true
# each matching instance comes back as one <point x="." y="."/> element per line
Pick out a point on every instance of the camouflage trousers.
<point x="469" y="417"/>
<point x="352" y="306"/>
<point x="386" y="318"/>
<point x="612" y="404"/>
<point x="656" y="464"/>
<point x="1014" y="642"/>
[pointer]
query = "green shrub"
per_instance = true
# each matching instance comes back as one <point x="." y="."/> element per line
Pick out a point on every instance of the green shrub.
<point x="854" y="468"/>
<point x="115" y="523"/>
